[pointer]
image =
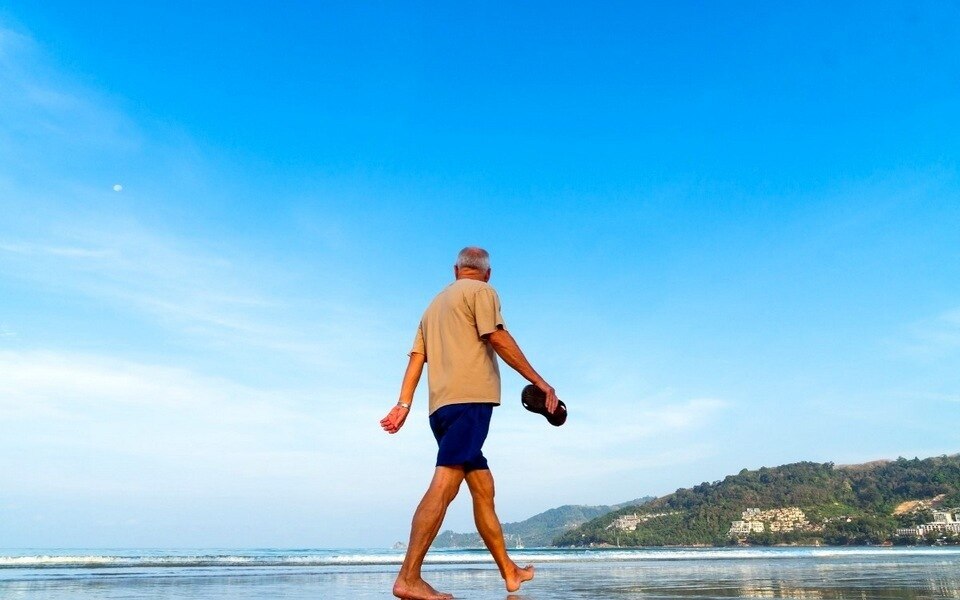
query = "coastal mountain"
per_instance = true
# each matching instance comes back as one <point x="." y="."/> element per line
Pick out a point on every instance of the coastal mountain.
<point x="539" y="530"/>
<point x="901" y="501"/>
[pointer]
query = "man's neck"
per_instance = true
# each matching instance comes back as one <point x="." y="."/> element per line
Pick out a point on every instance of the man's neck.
<point x="474" y="274"/>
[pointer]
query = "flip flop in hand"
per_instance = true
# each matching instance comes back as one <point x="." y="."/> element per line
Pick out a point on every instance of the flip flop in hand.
<point x="535" y="400"/>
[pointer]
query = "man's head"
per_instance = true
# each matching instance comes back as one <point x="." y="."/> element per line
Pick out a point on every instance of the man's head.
<point x="472" y="263"/>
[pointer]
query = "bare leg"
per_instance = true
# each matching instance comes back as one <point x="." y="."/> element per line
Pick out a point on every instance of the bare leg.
<point x="426" y="525"/>
<point x="481" y="487"/>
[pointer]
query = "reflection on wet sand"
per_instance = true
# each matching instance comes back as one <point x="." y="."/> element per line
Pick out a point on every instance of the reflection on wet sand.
<point x="871" y="589"/>
<point x="812" y="579"/>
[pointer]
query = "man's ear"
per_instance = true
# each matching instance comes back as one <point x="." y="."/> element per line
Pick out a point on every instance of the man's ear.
<point x="486" y="277"/>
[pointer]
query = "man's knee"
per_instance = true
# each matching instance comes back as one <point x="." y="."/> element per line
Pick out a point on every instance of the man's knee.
<point x="447" y="480"/>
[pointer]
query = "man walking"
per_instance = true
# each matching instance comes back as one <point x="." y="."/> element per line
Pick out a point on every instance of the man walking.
<point x="459" y="336"/>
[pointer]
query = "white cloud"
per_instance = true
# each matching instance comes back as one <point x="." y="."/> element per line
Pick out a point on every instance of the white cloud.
<point x="630" y="421"/>
<point x="85" y="387"/>
<point x="27" y="249"/>
<point x="86" y="419"/>
<point x="180" y="285"/>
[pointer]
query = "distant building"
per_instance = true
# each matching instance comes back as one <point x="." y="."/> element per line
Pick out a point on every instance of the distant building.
<point x="625" y="522"/>
<point x="942" y="516"/>
<point x="631" y="522"/>
<point x="943" y="522"/>
<point x="778" y="520"/>
<point x="741" y="528"/>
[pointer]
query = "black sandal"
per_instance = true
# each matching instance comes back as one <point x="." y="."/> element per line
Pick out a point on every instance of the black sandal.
<point x="535" y="400"/>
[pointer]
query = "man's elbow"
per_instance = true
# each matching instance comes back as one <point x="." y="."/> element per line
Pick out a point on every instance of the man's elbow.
<point x="499" y="339"/>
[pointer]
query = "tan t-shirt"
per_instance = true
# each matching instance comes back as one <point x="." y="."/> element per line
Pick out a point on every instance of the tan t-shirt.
<point x="461" y="366"/>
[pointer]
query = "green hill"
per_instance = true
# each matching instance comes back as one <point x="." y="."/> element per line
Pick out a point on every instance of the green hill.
<point x="836" y="504"/>
<point x="539" y="530"/>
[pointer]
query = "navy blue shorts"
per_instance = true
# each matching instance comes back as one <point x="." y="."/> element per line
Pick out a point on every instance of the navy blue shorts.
<point x="460" y="430"/>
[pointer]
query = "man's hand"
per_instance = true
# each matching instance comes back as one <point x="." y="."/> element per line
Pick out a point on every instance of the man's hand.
<point x="398" y="414"/>
<point x="394" y="419"/>
<point x="552" y="401"/>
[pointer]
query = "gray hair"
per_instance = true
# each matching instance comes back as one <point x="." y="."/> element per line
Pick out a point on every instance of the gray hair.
<point x="473" y="257"/>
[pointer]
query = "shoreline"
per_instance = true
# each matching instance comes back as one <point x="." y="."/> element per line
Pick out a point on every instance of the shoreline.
<point x="667" y="574"/>
<point x="242" y="560"/>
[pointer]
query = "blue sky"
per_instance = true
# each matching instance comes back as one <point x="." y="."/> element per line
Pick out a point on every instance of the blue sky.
<point x="726" y="233"/>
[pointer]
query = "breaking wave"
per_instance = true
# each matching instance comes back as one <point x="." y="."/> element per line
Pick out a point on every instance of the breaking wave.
<point x="324" y="558"/>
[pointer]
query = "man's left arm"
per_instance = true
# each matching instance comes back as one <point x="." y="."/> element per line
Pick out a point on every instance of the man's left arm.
<point x="411" y="378"/>
<point x="492" y="329"/>
<point x="507" y="348"/>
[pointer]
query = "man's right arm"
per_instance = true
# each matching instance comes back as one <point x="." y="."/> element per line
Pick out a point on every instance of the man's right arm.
<point x="507" y="349"/>
<point x="398" y="414"/>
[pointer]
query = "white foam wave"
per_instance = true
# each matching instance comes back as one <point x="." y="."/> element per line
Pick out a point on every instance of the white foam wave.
<point x="360" y="558"/>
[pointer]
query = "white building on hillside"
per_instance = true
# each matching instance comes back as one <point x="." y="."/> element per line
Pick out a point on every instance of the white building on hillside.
<point x="778" y="520"/>
<point x="943" y="522"/>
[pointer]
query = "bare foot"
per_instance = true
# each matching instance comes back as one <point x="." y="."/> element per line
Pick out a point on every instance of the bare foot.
<point x="417" y="590"/>
<point x="517" y="576"/>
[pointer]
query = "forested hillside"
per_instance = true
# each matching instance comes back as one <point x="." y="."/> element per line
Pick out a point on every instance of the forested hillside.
<point x="840" y="505"/>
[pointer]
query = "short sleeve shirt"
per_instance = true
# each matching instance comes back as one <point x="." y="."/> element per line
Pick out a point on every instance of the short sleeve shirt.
<point x="461" y="365"/>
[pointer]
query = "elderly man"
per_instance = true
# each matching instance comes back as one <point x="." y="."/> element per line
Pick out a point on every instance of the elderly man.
<point x="459" y="336"/>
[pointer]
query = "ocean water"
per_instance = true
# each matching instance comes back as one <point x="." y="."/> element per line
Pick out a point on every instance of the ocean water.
<point x="334" y="574"/>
